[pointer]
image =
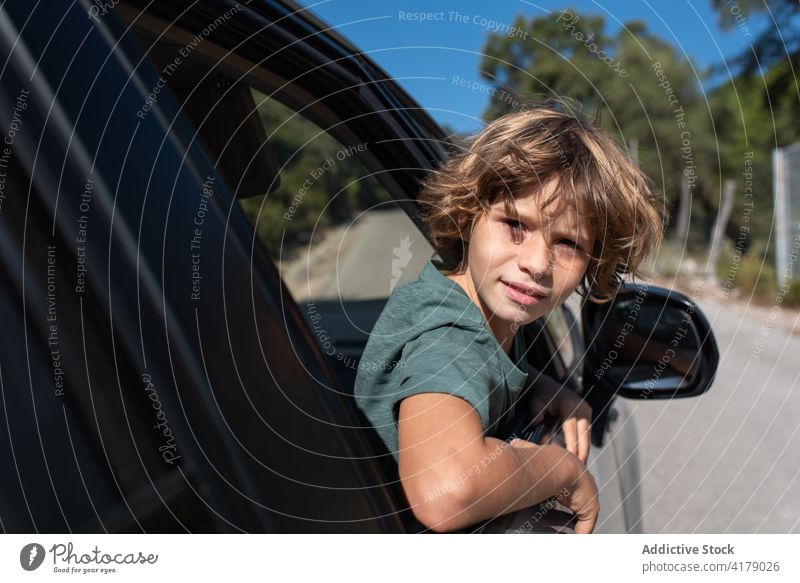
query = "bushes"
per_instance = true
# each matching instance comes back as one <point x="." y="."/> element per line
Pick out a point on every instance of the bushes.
<point x="753" y="273"/>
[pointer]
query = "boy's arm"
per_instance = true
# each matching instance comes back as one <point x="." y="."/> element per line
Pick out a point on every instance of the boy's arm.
<point x="550" y="396"/>
<point x="454" y="477"/>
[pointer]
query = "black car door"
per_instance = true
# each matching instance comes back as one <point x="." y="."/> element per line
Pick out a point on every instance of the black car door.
<point x="166" y="380"/>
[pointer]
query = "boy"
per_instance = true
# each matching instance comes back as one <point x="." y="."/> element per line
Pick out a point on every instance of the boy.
<point x="542" y="203"/>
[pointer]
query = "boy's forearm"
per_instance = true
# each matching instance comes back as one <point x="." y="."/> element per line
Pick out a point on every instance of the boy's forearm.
<point x="509" y="478"/>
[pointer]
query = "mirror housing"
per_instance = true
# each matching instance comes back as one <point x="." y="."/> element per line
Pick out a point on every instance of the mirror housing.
<point x="648" y="343"/>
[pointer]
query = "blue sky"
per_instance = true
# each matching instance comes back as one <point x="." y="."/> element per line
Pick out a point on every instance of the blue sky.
<point x="426" y="56"/>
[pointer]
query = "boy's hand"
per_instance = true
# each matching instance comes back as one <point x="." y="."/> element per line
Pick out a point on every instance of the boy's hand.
<point x="581" y="496"/>
<point x="583" y="501"/>
<point x="576" y="415"/>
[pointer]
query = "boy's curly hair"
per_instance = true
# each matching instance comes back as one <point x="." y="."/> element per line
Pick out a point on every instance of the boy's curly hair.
<point x="528" y="149"/>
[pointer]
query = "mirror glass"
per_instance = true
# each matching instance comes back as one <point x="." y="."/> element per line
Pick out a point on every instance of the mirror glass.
<point x="648" y="346"/>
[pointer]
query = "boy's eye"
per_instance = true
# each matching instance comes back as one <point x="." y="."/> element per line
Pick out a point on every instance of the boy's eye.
<point x="569" y="247"/>
<point x="569" y="243"/>
<point x="515" y="225"/>
<point x="516" y="230"/>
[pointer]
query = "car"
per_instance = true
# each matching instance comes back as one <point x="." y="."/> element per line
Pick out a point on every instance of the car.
<point x="203" y="209"/>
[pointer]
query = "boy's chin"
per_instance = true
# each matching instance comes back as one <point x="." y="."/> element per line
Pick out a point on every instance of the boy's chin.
<point x="520" y="322"/>
<point x="517" y="316"/>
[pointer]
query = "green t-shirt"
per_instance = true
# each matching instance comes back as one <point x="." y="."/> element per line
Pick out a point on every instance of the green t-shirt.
<point x="431" y="338"/>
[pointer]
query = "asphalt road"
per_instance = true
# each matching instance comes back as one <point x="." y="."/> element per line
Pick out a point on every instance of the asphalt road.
<point x="728" y="461"/>
<point x="366" y="259"/>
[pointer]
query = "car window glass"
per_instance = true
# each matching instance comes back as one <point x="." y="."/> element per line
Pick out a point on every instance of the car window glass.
<point x="330" y="226"/>
<point x="560" y="329"/>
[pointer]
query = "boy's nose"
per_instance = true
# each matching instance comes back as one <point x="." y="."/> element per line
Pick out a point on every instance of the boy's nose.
<point x="536" y="257"/>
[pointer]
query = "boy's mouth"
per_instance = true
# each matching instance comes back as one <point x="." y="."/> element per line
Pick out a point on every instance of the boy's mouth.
<point x="523" y="294"/>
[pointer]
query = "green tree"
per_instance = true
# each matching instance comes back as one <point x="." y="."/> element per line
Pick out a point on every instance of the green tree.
<point x="775" y="44"/>
<point x="647" y="93"/>
<point x="322" y="183"/>
<point x="758" y="109"/>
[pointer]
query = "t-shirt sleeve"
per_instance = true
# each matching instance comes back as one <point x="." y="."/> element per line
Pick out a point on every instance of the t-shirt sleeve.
<point x="448" y="359"/>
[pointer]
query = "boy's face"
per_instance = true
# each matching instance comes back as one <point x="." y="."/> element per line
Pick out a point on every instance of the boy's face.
<point x="544" y="254"/>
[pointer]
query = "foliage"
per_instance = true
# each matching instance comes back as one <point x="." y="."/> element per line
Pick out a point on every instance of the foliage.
<point x="732" y="129"/>
<point x="322" y="183"/>
<point x="642" y="89"/>
<point x="777" y="43"/>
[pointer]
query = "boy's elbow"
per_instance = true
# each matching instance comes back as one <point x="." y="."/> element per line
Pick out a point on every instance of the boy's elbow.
<point x="441" y="505"/>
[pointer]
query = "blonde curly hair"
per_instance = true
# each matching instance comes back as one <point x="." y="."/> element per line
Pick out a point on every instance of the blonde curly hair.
<point x="529" y="148"/>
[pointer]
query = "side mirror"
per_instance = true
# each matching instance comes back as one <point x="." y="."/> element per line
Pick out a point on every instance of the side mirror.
<point x="649" y="343"/>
